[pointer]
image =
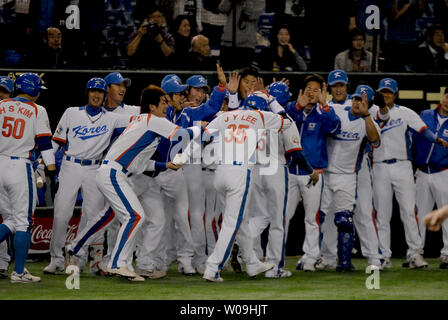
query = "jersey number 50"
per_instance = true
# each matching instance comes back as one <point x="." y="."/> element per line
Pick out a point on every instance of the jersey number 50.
<point x="14" y="127"/>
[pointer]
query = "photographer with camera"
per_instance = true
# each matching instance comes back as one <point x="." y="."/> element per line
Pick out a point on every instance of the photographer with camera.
<point x="151" y="45"/>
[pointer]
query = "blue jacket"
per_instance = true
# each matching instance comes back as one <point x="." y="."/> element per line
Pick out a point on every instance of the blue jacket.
<point x="430" y="157"/>
<point x="314" y="130"/>
<point x="187" y="118"/>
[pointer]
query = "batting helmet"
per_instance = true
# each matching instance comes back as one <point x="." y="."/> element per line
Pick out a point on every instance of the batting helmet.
<point x="29" y="83"/>
<point x="255" y="101"/>
<point x="280" y="91"/>
<point x="97" y="83"/>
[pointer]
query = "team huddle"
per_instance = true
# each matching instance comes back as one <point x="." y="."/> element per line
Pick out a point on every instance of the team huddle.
<point x="194" y="177"/>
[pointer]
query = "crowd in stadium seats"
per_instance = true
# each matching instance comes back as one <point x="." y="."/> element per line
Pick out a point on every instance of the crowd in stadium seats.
<point x="280" y="35"/>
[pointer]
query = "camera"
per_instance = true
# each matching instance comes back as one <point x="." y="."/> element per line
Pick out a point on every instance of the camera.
<point x="152" y="28"/>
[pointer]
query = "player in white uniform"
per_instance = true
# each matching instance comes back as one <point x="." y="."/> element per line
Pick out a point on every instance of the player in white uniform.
<point x="239" y="132"/>
<point x="392" y="173"/>
<point x="128" y="155"/>
<point x="431" y="161"/>
<point x="6" y="89"/>
<point x="23" y="124"/>
<point x="345" y="149"/>
<point x="116" y="90"/>
<point x="88" y="131"/>
<point x="272" y="192"/>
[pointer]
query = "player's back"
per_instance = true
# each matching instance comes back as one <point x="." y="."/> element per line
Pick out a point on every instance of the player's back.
<point x="239" y="133"/>
<point x="21" y="122"/>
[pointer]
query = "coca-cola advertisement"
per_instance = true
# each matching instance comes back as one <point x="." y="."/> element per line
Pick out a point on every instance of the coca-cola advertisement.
<point x="42" y="229"/>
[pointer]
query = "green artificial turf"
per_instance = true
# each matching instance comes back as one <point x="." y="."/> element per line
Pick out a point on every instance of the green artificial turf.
<point x="396" y="283"/>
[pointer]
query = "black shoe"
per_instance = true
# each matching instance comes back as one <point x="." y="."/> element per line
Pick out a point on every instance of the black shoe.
<point x="236" y="266"/>
<point x="405" y="264"/>
<point x="444" y="265"/>
<point x="345" y="268"/>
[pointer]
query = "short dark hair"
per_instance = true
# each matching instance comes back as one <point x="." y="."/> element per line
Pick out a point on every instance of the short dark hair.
<point x="314" y="77"/>
<point x="357" y="32"/>
<point x="432" y="29"/>
<point x="151" y="95"/>
<point x="249" y="71"/>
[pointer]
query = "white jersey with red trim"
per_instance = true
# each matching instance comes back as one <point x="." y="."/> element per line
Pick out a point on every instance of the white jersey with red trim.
<point x="127" y="109"/>
<point x="395" y="134"/>
<point x="21" y="121"/>
<point x="345" y="148"/>
<point x="240" y="131"/>
<point x="136" y="145"/>
<point x="88" y="136"/>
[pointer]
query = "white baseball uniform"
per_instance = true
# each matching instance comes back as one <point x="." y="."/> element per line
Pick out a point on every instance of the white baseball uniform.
<point x="129" y="154"/>
<point x="239" y="132"/>
<point x="87" y="138"/>
<point x="392" y="173"/>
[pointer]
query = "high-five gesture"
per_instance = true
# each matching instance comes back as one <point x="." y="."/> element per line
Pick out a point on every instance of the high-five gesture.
<point x="364" y="106"/>
<point x="302" y="99"/>
<point x="259" y="86"/>
<point x="322" y="95"/>
<point x="221" y="76"/>
<point x="234" y="82"/>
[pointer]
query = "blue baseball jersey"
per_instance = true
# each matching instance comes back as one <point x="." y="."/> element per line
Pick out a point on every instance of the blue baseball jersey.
<point x="431" y="157"/>
<point x="186" y="118"/>
<point x="314" y="128"/>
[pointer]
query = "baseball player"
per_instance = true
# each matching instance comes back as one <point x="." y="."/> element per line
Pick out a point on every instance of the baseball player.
<point x="87" y="131"/>
<point x="197" y="90"/>
<point x="272" y="187"/>
<point x="248" y="82"/>
<point x="116" y="90"/>
<point x="173" y="182"/>
<point x="363" y="218"/>
<point x="345" y="148"/>
<point x="239" y="132"/>
<point x="431" y="161"/>
<point x="392" y="173"/>
<point x="23" y="124"/>
<point x="128" y="155"/>
<point x="315" y="121"/>
<point x="6" y="89"/>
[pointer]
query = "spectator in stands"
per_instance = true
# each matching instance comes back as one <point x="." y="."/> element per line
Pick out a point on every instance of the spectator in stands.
<point x="50" y="53"/>
<point x="151" y="46"/>
<point x="401" y="37"/>
<point x="441" y="14"/>
<point x="213" y="22"/>
<point x="281" y="55"/>
<point x="189" y="8"/>
<point x="237" y="49"/>
<point x="432" y="55"/>
<point x="181" y="31"/>
<point x="199" y="55"/>
<point x="357" y="58"/>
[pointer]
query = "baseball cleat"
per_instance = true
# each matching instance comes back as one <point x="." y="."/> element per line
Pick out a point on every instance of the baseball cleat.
<point x="124" y="272"/>
<point x="322" y="265"/>
<point x="272" y="274"/>
<point x="200" y="269"/>
<point x="187" y="270"/>
<point x="4" y="273"/>
<point x="386" y="263"/>
<point x="212" y="277"/>
<point x="70" y="259"/>
<point x="137" y="279"/>
<point x="25" y="277"/>
<point x="264" y="266"/>
<point x="151" y="274"/>
<point x="444" y="263"/>
<point x="345" y="267"/>
<point x="53" y="269"/>
<point x="405" y="264"/>
<point x="308" y="267"/>
<point x="374" y="267"/>
<point x="417" y="262"/>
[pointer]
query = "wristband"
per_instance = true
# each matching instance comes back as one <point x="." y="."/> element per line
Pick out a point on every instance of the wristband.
<point x="365" y="116"/>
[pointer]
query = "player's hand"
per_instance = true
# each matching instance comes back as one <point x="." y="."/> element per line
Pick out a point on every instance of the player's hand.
<point x="291" y="48"/>
<point x="259" y="86"/>
<point x="172" y="166"/>
<point x="434" y="219"/>
<point x="302" y="99"/>
<point x="204" y="124"/>
<point x="284" y="80"/>
<point x="364" y="107"/>
<point x="221" y="76"/>
<point x="442" y="142"/>
<point x="314" y="178"/>
<point x="379" y="100"/>
<point x="322" y="95"/>
<point x="54" y="182"/>
<point x="234" y="82"/>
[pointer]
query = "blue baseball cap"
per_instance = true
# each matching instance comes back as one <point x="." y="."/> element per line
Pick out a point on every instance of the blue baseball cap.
<point x="117" y="78"/>
<point x="361" y="89"/>
<point x="173" y="86"/>
<point x="7" y="83"/>
<point x="169" y="77"/>
<point x="388" y="83"/>
<point x="197" y="81"/>
<point x="337" y="76"/>
<point x="255" y="102"/>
